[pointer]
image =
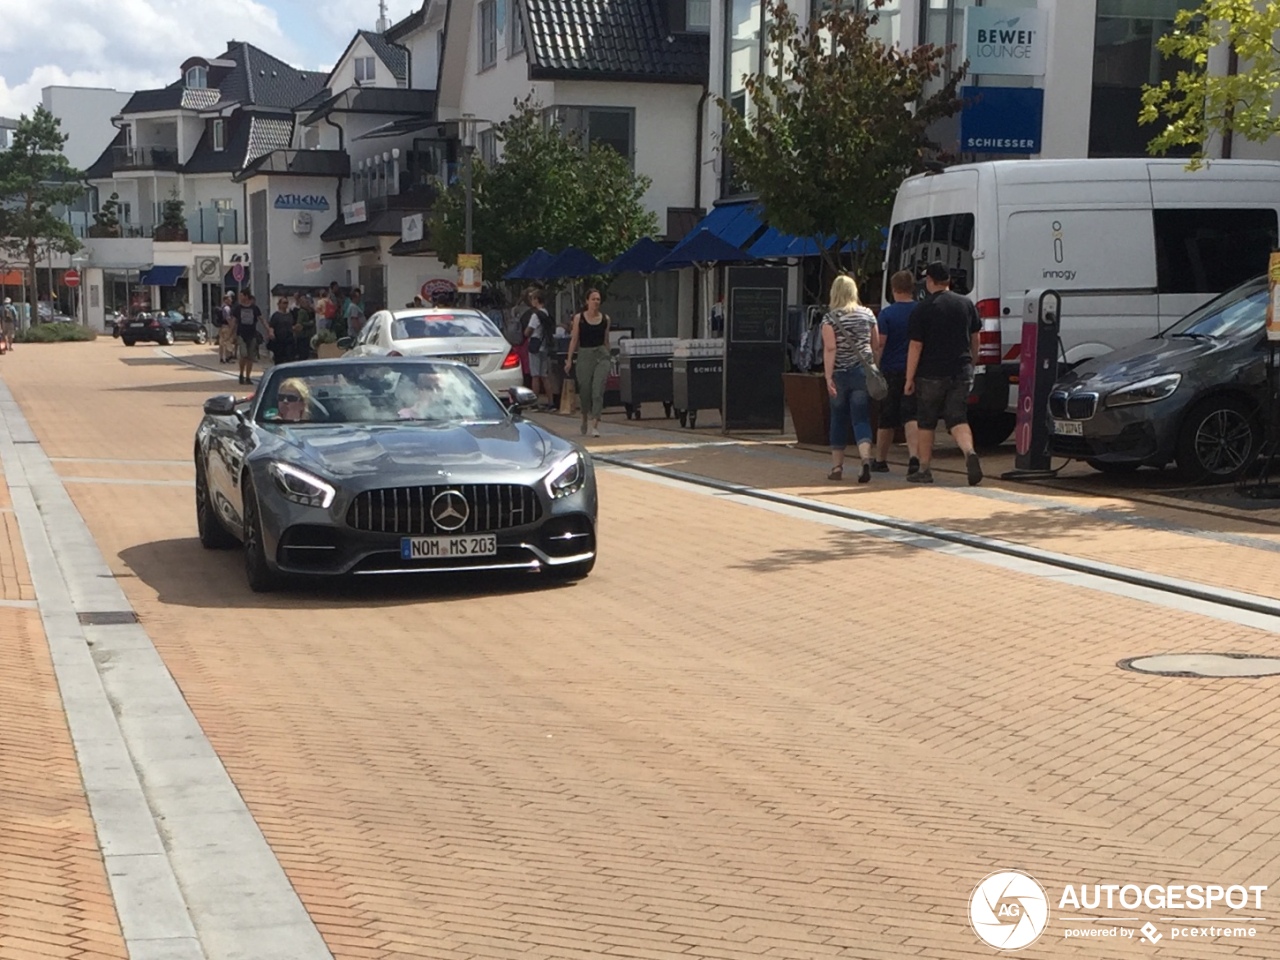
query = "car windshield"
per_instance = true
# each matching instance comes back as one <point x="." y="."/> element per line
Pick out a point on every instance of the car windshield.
<point x="388" y="391"/>
<point x="429" y="325"/>
<point x="1237" y="313"/>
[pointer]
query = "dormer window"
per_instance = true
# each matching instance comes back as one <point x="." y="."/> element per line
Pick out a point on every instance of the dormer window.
<point x="697" y="16"/>
<point x="366" y="69"/>
<point x="219" y="135"/>
<point x="197" y="78"/>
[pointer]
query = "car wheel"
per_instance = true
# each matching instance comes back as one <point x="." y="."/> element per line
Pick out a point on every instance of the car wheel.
<point x="129" y="342"/>
<point x="262" y="579"/>
<point x="1108" y="466"/>
<point x="992" y="429"/>
<point x="202" y="336"/>
<point x="574" y="571"/>
<point x="167" y="338"/>
<point x="1218" y="441"/>
<point x="213" y="535"/>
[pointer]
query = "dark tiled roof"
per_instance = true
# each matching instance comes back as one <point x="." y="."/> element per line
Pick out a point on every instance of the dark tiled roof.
<point x="144" y="101"/>
<point x="410" y="23"/>
<point x="266" y="135"/>
<point x="204" y="159"/>
<point x="611" y="40"/>
<point x="393" y="55"/>
<point x="104" y="166"/>
<point x="300" y="163"/>
<point x="311" y="103"/>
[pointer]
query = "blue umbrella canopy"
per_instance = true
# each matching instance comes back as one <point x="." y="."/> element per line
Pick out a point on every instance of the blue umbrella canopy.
<point x="572" y="262"/>
<point x="703" y="247"/>
<point x="643" y="257"/>
<point x="531" y="267"/>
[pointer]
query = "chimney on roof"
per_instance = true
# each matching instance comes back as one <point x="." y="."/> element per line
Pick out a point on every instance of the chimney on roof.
<point x="383" y="23"/>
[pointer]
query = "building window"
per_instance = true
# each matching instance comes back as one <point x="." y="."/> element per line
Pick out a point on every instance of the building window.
<point x="1208" y="251"/>
<point x="697" y="16"/>
<point x="197" y="78"/>
<point x="1124" y="58"/>
<point x="219" y="135"/>
<point x="488" y="33"/>
<point x="488" y="146"/>
<point x="609" y="126"/>
<point x="366" y="69"/>
<point x="518" y="41"/>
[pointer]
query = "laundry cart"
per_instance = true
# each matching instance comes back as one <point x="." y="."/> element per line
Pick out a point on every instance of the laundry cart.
<point x="644" y="374"/>
<point x="697" y="375"/>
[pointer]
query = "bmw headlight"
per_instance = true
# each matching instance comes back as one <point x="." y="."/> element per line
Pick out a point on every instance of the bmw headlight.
<point x="567" y="476"/>
<point x="1145" y="391"/>
<point x="301" y="487"/>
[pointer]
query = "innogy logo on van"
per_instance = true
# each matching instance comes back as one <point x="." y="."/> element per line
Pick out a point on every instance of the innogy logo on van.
<point x="1059" y="254"/>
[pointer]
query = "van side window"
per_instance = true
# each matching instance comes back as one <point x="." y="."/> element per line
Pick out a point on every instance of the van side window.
<point x="1209" y="251"/>
<point x="914" y="244"/>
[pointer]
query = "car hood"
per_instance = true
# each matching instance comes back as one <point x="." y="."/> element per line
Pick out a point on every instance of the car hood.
<point x="344" y="451"/>
<point x="1148" y="358"/>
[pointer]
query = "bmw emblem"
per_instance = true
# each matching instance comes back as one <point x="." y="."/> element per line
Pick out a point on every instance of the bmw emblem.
<point x="449" y="510"/>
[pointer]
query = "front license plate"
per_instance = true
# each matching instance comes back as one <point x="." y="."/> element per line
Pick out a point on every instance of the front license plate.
<point x="433" y="548"/>
<point x="1068" y="428"/>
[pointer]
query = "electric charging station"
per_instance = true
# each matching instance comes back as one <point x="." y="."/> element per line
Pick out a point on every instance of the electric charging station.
<point x="1038" y="370"/>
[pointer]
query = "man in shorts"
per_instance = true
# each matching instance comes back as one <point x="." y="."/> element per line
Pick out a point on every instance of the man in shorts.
<point x="251" y="330"/>
<point x="943" y="348"/>
<point x="8" y="324"/>
<point x="896" y="410"/>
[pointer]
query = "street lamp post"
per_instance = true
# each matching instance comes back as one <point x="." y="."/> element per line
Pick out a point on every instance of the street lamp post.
<point x="80" y="261"/>
<point x="222" y="262"/>
<point x="468" y="149"/>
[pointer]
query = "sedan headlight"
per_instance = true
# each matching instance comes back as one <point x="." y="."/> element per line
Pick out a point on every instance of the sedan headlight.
<point x="301" y="487"/>
<point x="1145" y="391"/>
<point x="567" y="476"/>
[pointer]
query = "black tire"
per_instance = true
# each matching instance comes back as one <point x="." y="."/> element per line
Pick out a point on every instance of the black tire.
<point x="574" y="571"/>
<point x="167" y="338"/>
<point x="261" y="578"/>
<point x="992" y="429"/>
<point x="202" y="336"/>
<point x="1107" y="466"/>
<point x="1218" y="440"/>
<point x="213" y="535"/>
<point x="128" y="342"/>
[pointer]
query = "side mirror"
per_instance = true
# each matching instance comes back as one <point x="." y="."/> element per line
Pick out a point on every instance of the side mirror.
<point x="522" y="398"/>
<point x="346" y="343"/>
<point x="223" y="405"/>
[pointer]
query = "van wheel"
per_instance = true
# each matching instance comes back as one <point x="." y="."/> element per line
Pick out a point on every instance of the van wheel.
<point x="1218" y="441"/>
<point x="992" y="429"/>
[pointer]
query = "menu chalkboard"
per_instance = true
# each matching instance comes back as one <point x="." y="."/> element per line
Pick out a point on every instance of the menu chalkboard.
<point x="756" y="315"/>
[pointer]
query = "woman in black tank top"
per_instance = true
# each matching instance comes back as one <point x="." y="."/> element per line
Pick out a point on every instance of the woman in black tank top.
<point x="590" y="341"/>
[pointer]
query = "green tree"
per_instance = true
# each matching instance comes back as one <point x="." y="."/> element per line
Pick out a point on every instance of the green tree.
<point x="173" y="219"/>
<point x="546" y="190"/>
<point x="35" y="178"/>
<point x="1196" y="105"/>
<point x="833" y="124"/>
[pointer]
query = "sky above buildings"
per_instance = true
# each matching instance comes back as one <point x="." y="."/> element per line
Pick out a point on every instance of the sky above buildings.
<point x="138" y="44"/>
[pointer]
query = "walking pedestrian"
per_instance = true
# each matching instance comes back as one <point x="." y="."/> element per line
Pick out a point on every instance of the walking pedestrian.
<point x="227" y="330"/>
<point x="848" y="334"/>
<point x="896" y="410"/>
<point x="8" y="323"/>
<point x="281" y="322"/>
<point x="589" y="339"/>
<point x="944" y="330"/>
<point x="353" y="314"/>
<point x="250" y="331"/>
<point x="540" y="338"/>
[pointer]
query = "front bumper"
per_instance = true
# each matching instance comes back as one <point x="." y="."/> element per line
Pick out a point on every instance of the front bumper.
<point x="1142" y="434"/>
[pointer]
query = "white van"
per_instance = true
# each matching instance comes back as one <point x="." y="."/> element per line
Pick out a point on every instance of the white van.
<point x="1132" y="245"/>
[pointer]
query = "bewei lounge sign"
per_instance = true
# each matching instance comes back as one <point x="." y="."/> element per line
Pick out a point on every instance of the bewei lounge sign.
<point x="1006" y="41"/>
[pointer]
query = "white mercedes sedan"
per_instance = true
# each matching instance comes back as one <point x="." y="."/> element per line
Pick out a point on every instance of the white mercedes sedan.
<point x="460" y="334"/>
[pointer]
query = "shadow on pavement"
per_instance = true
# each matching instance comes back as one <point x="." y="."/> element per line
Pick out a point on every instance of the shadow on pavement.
<point x="208" y="387"/>
<point x="184" y="574"/>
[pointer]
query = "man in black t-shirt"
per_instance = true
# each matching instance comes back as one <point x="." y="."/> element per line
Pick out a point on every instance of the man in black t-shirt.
<point x="250" y="331"/>
<point x="943" y="332"/>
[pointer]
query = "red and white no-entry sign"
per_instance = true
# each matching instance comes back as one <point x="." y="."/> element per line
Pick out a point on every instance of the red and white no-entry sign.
<point x="71" y="278"/>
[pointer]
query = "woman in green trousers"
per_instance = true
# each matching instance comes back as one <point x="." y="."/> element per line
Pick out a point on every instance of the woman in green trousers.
<point x="590" y="342"/>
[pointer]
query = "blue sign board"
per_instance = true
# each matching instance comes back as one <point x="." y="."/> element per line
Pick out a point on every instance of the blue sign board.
<point x="297" y="201"/>
<point x="1001" y="120"/>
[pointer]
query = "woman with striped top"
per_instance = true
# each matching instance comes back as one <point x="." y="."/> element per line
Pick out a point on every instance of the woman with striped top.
<point x="848" y="333"/>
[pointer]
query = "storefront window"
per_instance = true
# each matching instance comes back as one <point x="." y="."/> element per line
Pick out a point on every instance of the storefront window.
<point x="942" y="23"/>
<point x="888" y="24"/>
<point x="1125" y="57"/>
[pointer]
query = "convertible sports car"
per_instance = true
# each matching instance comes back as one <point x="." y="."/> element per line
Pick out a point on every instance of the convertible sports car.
<point x="368" y="466"/>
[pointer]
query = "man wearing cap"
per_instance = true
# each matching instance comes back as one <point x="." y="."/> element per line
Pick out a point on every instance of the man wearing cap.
<point x="943" y="347"/>
<point x="8" y="323"/>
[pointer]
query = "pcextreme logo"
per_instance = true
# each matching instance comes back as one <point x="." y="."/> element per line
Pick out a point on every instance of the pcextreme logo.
<point x="1009" y="910"/>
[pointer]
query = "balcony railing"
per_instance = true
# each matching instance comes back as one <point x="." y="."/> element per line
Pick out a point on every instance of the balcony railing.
<point x="202" y="226"/>
<point x="145" y="158"/>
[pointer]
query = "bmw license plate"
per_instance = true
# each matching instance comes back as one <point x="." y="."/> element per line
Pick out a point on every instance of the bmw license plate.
<point x="433" y="548"/>
<point x="1068" y="428"/>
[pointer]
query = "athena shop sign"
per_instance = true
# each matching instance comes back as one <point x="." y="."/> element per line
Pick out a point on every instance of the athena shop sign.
<point x="1006" y="41"/>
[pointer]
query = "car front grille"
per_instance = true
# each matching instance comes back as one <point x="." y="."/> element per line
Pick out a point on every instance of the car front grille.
<point x="1073" y="406"/>
<point x="407" y="510"/>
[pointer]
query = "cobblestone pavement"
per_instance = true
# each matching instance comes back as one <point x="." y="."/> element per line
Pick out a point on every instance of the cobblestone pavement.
<point x="746" y="735"/>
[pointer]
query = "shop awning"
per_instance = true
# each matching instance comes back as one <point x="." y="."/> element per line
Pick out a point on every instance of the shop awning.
<point x="735" y="223"/>
<point x="162" y="277"/>
<point x="11" y="278"/>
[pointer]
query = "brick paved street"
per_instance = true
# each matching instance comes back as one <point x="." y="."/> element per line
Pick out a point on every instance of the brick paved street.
<point x="745" y="735"/>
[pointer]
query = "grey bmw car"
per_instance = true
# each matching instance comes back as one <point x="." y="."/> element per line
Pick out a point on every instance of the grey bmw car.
<point x="1194" y="395"/>
<point x="389" y="466"/>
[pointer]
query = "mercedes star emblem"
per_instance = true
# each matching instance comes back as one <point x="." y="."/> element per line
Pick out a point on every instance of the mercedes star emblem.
<point x="449" y="510"/>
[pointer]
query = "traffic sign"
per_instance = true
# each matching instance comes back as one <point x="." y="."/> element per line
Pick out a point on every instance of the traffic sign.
<point x="71" y="278"/>
<point x="237" y="272"/>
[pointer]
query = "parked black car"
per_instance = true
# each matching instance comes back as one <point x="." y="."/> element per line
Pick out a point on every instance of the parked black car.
<point x="164" y="327"/>
<point x="1194" y="395"/>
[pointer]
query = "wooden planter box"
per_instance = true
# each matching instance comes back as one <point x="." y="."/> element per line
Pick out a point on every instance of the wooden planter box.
<point x="170" y="235"/>
<point x="806" y="396"/>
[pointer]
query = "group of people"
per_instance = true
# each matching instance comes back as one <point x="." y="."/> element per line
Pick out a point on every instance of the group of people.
<point x="588" y="358"/>
<point x="926" y="351"/>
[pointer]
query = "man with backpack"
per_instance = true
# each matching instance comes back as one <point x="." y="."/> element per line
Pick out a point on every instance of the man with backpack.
<point x="8" y="324"/>
<point x="540" y="337"/>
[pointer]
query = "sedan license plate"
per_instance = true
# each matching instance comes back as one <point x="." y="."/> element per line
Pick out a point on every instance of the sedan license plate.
<point x="432" y="548"/>
<point x="137" y="325"/>
<point x="470" y="359"/>
<point x="1068" y="428"/>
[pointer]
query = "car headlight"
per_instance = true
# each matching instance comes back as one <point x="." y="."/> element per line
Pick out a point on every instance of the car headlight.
<point x="567" y="476"/>
<point x="1145" y="391"/>
<point x="300" y="486"/>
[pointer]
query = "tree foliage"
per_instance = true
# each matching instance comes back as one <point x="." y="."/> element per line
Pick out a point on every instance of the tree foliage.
<point x="547" y="190"/>
<point x="833" y="123"/>
<point x="35" y="178"/>
<point x="1197" y="105"/>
